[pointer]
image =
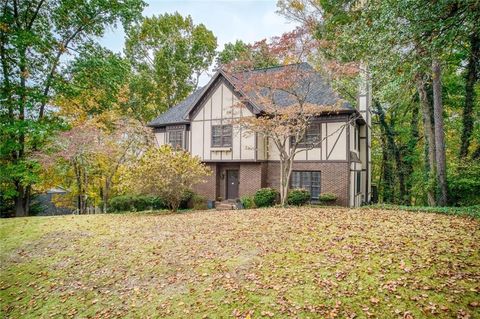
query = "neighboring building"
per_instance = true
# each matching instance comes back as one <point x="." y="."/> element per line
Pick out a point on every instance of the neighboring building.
<point x="243" y="162"/>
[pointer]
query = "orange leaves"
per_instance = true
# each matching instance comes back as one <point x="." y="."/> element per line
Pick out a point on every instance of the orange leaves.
<point x="280" y="263"/>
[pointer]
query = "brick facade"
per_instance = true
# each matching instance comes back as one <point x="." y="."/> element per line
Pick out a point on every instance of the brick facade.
<point x="208" y="189"/>
<point x="253" y="176"/>
<point x="333" y="177"/>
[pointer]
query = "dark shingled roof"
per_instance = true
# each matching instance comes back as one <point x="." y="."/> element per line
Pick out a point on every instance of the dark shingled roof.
<point x="313" y="87"/>
<point x="175" y="114"/>
<point x="320" y="92"/>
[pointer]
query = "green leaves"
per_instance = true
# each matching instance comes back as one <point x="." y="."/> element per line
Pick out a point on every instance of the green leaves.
<point x="168" y="54"/>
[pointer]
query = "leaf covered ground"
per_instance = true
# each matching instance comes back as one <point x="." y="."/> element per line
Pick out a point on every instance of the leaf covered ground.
<point x="305" y="262"/>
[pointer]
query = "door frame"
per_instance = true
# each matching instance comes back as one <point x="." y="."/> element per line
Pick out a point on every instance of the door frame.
<point x="226" y="182"/>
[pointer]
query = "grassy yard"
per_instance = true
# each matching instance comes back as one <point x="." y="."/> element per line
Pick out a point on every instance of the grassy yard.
<point x="306" y="263"/>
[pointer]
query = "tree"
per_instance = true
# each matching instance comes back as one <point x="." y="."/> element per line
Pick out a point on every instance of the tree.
<point x="258" y="54"/>
<point x="35" y="38"/>
<point x="95" y="83"/>
<point x="165" y="172"/>
<point x="168" y="54"/>
<point x="409" y="40"/>
<point x="76" y="149"/>
<point x="122" y="145"/>
<point x="283" y="94"/>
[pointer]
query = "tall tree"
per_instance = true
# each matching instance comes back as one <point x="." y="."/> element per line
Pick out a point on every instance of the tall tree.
<point x="472" y="76"/>
<point x="258" y="54"/>
<point x="35" y="38"/>
<point x="168" y="54"/>
<point x="409" y="39"/>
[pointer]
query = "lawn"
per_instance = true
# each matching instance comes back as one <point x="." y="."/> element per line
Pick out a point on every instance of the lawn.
<point x="306" y="263"/>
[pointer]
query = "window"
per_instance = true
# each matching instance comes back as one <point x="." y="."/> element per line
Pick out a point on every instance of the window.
<point x="175" y="138"/>
<point x="312" y="137"/>
<point x="221" y="136"/>
<point x="307" y="180"/>
<point x="358" y="181"/>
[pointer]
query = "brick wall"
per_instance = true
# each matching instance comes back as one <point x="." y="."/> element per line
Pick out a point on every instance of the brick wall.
<point x="333" y="177"/>
<point x="251" y="178"/>
<point x="208" y="188"/>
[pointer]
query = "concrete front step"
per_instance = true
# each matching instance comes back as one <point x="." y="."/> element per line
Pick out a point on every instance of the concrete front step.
<point x="225" y="205"/>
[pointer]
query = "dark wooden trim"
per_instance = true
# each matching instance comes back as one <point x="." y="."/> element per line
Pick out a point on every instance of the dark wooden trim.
<point x="220" y="78"/>
<point x="274" y="161"/>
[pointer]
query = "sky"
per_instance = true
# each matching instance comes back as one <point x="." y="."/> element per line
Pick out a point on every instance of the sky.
<point x="229" y="20"/>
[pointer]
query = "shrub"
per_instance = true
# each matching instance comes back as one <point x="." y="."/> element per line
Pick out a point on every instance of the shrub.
<point x="135" y="203"/>
<point x="298" y="197"/>
<point x="327" y="197"/>
<point x="247" y="202"/>
<point x="265" y="197"/>
<point x="171" y="173"/>
<point x="198" y="202"/>
<point x="186" y="199"/>
<point x="464" y="184"/>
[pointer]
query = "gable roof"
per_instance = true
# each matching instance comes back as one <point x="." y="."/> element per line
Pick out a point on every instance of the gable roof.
<point x="175" y="114"/>
<point x="319" y="92"/>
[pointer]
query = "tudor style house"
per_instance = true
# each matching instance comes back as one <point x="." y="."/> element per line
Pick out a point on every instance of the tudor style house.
<point x="243" y="162"/>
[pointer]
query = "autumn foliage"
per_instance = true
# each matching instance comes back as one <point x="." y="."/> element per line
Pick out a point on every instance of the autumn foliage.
<point x="165" y="172"/>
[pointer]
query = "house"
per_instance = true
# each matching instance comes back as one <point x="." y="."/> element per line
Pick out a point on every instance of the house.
<point x="243" y="162"/>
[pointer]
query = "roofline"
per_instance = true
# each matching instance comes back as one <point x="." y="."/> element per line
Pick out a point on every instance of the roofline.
<point x="207" y="87"/>
<point x="167" y="124"/>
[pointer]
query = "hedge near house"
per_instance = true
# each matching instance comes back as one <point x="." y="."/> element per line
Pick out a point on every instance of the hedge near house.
<point x="265" y="197"/>
<point x="298" y="197"/>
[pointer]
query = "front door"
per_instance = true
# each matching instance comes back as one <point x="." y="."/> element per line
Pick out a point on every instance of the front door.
<point x="232" y="183"/>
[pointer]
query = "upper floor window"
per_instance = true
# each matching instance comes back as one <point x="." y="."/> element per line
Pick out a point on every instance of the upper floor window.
<point x="221" y="135"/>
<point x="312" y="137"/>
<point x="175" y="138"/>
<point x="309" y="180"/>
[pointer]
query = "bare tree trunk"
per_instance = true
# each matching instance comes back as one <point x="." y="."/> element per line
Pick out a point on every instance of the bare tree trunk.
<point x="439" y="133"/>
<point x="22" y="201"/>
<point x="471" y="78"/>
<point x="429" y="140"/>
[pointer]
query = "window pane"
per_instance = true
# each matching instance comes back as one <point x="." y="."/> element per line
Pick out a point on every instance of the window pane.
<point x="227" y="141"/>
<point x="315" y="192"/>
<point x="216" y="130"/>
<point x="306" y="180"/>
<point x="316" y="179"/>
<point x="227" y="130"/>
<point x="175" y="138"/>
<point x="296" y="180"/>
<point x="217" y="141"/>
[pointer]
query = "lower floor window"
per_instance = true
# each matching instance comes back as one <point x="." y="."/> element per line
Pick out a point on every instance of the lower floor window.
<point x="309" y="180"/>
<point x="175" y="138"/>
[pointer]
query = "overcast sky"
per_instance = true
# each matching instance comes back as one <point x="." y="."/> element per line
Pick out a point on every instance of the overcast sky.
<point x="229" y="20"/>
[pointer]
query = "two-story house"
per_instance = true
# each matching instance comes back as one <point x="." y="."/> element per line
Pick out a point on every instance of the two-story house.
<point x="243" y="162"/>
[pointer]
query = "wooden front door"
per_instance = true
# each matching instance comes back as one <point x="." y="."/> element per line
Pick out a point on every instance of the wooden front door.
<point x="232" y="183"/>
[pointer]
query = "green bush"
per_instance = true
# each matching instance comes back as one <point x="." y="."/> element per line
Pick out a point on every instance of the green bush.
<point x="186" y="200"/>
<point x="265" y="197"/>
<point x="464" y="184"/>
<point x="198" y="202"/>
<point x="247" y="202"/>
<point x="298" y="197"/>
<point x="327" y="197"/>
<point x="135" y="203"/>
